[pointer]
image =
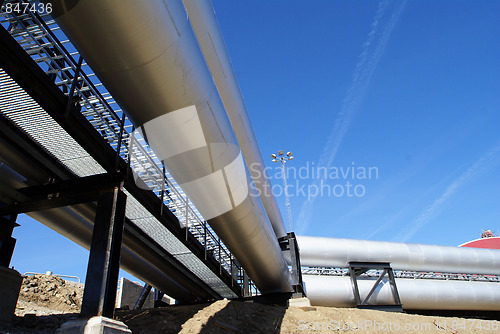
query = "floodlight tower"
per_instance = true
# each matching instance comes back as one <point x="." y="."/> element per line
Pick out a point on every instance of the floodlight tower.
<point x="283" y="159"/>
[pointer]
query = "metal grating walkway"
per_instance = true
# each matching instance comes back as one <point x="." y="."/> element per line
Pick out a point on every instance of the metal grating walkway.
<point x="23" y="111"/>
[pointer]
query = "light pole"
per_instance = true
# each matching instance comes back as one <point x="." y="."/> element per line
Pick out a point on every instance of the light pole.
<point x="283" y="159"/>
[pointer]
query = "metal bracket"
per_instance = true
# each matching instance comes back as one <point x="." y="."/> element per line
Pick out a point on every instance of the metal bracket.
<point x="290" y="249"/>
<point x="73" y="87"/>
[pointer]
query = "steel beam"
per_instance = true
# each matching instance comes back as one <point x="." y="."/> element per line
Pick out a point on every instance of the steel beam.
<point x="63" y="193"/>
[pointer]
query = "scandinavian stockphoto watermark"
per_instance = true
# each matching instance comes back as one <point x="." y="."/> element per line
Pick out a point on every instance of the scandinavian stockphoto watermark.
<point x="309" y="181"/>
<point x="368" y="325"/>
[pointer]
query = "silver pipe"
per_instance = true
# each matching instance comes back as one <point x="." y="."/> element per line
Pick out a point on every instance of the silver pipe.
<point x="415" y="294"/>
<point x="147" y="56"/>
<point x="78" y="228"/>
<point x="333" y="252"/>
<point x="207" y="30"/>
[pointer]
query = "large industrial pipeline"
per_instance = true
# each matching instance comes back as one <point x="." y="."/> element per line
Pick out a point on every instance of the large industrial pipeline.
<point x="337" y="253"/>
<point x="148" y="57"/>
<point x="415" y="294"/>
<point x="206" y="27"/>
<point x="431" y="294"/>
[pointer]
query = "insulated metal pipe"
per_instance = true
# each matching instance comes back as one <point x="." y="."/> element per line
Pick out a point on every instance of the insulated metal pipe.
<point x="147" y="56"/>
<point x="207" y="30"/>
<point x="78" y="229"/>
<point x="415" y="294"/>
<point x="334" y="252"/>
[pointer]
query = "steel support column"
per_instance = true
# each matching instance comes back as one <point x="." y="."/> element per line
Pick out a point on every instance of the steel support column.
<point x="104" y="260"/>
<point x="7" y="242"/>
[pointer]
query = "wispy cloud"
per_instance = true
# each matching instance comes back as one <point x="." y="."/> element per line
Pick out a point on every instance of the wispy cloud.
<point x="448" y="139"/>
<point x="482" y="165"/>
<point x="385" y="19"/>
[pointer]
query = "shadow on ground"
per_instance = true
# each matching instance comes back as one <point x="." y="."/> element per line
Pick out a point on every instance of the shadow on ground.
<point x="245" y="317"/>
<point x="222" y="316"/>
<point x="32" y="324"/>
<point x="168" y="319"/>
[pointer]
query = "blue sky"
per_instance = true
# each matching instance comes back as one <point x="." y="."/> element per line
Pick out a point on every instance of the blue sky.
<point x="410" y="88"/>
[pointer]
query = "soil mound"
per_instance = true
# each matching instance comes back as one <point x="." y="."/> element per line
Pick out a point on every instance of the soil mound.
<point x="51" y="292"/>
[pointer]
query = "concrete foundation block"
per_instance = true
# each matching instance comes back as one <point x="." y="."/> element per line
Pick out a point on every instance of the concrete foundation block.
<point x="299" y="302"/>
<point x="129" y="293"/>
<point x="10" y="284"/>
<point x="94" y="325"/>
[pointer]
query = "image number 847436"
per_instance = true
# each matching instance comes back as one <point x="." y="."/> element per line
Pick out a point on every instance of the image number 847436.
<point x="23" y="8"/>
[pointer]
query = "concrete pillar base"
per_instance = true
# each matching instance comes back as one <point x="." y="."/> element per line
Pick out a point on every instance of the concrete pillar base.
<point x="10" y="284"/>
<point x="94" y="325"/>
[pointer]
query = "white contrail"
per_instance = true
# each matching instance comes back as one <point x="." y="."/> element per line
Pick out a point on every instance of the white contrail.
<point x="385" y="19"/>
<point x="485" y="163"/>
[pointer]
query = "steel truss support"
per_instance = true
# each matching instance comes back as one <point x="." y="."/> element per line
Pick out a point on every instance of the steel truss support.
<point x="104" y="260"/>
<point x="359" y="268"/>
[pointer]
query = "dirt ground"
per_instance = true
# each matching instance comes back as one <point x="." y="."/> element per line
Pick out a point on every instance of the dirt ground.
<point x="244" y="317"/>
<point x="46" y="302"/>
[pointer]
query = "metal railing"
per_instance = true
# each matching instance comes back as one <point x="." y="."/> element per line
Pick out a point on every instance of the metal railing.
<point x="40" y="36"/>
<point x="50" y="273"/>
<point x="403" y="274"/>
